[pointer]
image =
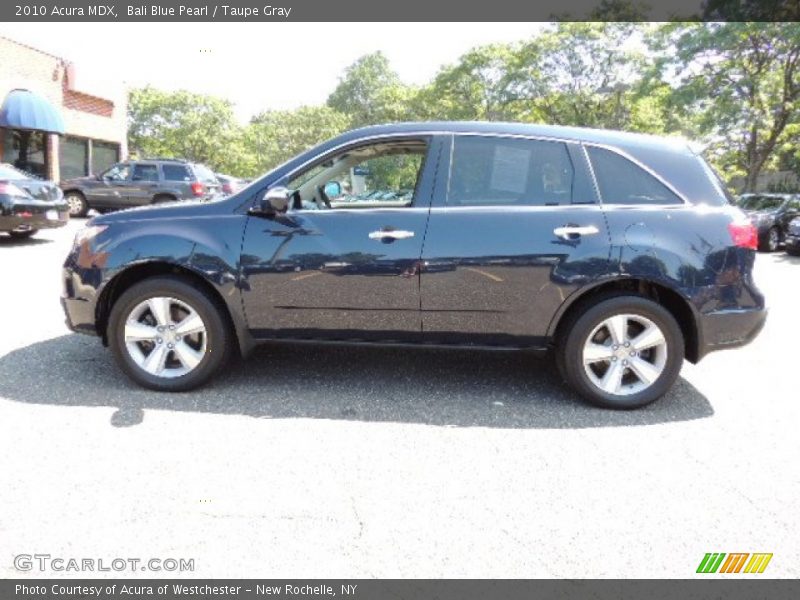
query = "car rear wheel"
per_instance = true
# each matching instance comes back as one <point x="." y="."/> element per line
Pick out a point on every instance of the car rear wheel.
<point x="77" y="204"/>
<point x="623" y="352"/>
<point x="168" y="335"/>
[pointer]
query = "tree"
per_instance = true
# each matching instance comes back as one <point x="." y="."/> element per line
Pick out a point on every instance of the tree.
<point x="182" y="124"/>
<point x="277" y="135"/>
<point x="475" y="88"/>
<point x="740" y="84"/>
<point x="582" y="74"/>
<point x="365" y="90"/>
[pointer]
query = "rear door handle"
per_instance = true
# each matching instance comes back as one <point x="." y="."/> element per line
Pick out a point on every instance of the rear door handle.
<point x="391" y="234"/>
<point x="569" y="232"/>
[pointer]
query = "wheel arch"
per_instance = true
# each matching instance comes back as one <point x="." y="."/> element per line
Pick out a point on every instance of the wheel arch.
<point x="673" y="301"/>
<point x="136" y="273"/>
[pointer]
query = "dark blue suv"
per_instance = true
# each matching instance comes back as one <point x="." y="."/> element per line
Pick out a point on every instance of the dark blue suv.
<point x="619" y="253"/>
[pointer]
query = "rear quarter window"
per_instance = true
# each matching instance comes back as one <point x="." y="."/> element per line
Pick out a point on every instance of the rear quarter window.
<point x="621" y="181"/>
<point x="204" y="174"/>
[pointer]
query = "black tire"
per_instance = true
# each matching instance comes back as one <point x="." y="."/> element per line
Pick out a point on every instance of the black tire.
<point x="570" y="345"/>
<point x="23" y="235"/>
<point x="219" y="341"/>
<point x="78" y="207"/>
<point x="793" y="251"/>
<point x="161" y="198"/>
<point x="771" y="241"/>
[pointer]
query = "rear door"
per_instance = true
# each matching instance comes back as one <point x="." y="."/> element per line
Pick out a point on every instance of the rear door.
<point x="145" y="181"/>
<point x="514" y="229"/>
<point x="345" y="268"/>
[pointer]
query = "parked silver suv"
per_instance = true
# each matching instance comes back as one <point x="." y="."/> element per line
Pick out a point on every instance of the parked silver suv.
<point x="140" y="182"/>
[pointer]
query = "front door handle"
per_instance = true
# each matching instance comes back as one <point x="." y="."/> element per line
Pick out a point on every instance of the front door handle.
<point x="570" y="232"/>
<point x="391" y="234"/>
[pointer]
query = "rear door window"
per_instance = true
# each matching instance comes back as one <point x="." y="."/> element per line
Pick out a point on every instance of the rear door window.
<point x="176" y="173"/>
<point x="488" y="171"/>
<point x="620" y="181"/>
<point x="145" y="173"/>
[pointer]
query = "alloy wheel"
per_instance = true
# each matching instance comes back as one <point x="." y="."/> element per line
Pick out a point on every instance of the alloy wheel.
<point x="625" y="354"/>
<point x="75" y="204"/>
<point x="165" y="337"/>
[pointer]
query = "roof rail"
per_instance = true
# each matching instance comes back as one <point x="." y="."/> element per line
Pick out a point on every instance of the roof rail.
<point x="162" y="159"/>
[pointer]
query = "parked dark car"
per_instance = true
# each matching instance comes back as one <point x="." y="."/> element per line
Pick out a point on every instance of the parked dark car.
<point x="230" y="185"/>
<point x="140" y="182"/>
<point x="617" y="252"/>
<point x="28" y="204"/>
<point x="771" y="214"/>
<point x="792" y="240"/>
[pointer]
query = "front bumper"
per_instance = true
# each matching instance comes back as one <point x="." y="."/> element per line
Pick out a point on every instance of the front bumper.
<point x="724" y="329"/>
<point x="81" y="281"/>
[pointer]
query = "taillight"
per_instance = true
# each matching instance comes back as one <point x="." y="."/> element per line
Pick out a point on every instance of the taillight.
<point x="198" y="189"/>
<point x="744" y="234"/>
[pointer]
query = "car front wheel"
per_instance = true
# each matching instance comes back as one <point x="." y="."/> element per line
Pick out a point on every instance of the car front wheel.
<point x="773" y="240"/>
<point x="168" y="335"/>
<point x="623" y="352"/>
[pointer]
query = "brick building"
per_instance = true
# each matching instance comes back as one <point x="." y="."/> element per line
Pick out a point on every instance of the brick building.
<point x="93" y="115"/>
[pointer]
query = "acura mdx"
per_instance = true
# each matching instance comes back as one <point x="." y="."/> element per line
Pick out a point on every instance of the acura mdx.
<point x="618" y="253"/>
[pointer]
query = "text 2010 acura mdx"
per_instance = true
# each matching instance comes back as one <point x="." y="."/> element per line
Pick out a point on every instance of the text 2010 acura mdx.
<point x="618" y="252"/>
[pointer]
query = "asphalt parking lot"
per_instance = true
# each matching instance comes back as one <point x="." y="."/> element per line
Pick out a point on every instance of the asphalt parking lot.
<point x="324" y="462"/>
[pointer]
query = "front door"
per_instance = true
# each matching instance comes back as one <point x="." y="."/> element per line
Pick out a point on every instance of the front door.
<point x="515" y="228"/>
<point x="110" y="190"/>
<point x="343" y="262"/>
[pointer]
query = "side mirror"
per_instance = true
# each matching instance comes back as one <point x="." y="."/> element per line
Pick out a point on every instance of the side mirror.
<point x="274" y="201"/>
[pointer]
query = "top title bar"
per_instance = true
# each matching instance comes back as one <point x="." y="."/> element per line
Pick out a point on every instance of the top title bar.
<point x="402" y="10"/>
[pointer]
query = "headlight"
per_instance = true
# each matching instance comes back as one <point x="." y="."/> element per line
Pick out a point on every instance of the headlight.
<point x="89" y="232"/>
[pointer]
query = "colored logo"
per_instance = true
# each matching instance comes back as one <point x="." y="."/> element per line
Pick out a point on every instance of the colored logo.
<point x="735" y="562"/>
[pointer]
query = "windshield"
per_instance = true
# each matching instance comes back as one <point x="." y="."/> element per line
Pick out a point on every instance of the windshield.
<point x="9" y="173"/>
<point x="761" y="202"/>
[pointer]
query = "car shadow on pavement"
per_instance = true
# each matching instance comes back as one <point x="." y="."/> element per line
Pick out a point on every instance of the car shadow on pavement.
<point x="451" y="388"/>
<point x="6" y="241"/>
<point x="787" y="258"/>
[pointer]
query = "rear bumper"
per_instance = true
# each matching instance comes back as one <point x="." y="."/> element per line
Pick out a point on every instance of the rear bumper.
<point x="35" y="221"/>
<point x="791" y="242"/>
<point x="721" y="330"/>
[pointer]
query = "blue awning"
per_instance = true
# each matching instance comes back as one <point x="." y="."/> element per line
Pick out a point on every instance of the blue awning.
<point x="22" y="109"/>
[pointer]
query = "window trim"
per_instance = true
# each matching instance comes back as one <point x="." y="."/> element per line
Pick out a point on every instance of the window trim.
<point x="447" y="137"/>
<point x="136" y="165"/>
<point x="428" y="138"/>
<point x="445" y="200"/>
<point x="641" y="165"/>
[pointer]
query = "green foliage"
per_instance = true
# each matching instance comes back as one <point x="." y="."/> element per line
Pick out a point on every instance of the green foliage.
<point x="273" y="137"/>
<point x="369" y="91"/>
<point x="739" y="85"/>
<point x="185" y="125"/>
<point x="733" y="86"/>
